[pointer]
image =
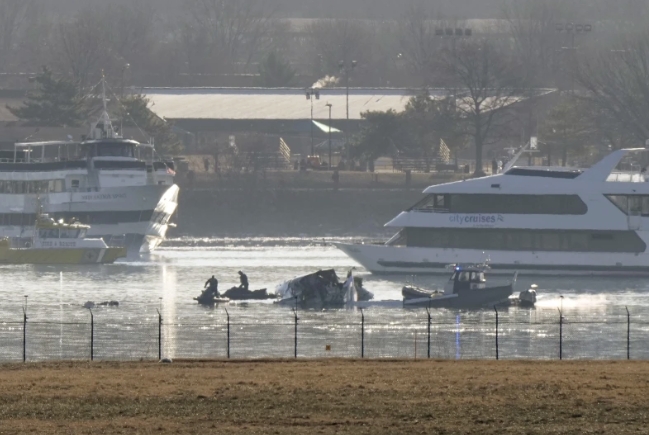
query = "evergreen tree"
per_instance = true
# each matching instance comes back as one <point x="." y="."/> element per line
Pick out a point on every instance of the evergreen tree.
<point x="568" y="130"/>
<point x="381" y="134"/>
<point x="430" y="120"/>
<point x="134" y="112"/>
<point x="54" y="103"/>
<point x="275" y="72"/>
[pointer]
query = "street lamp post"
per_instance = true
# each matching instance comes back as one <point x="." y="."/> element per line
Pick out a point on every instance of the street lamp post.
<point x="124" y="69"/>
<point x="329" y="106"/>
<point x="347" y="70"/>
<point x="453" y="34"/>
<point x="310" y="94"/>
<point x="573" y="29"/>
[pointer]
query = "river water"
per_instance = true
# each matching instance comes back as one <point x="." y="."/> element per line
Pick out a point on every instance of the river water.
<point x="594" y="324"/>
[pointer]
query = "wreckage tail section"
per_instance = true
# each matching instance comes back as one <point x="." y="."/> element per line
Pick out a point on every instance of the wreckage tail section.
<point x="349" y="288"/>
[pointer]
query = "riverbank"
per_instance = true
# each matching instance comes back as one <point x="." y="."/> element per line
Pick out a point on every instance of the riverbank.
<point x="296" y="204"/>
<point x="287" y="179"/>
<point x="326" y="396"/>
<point x="260" y="212"/>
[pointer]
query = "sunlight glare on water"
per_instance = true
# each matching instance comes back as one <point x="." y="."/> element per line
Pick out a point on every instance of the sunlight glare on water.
<point x="168" y="280"/>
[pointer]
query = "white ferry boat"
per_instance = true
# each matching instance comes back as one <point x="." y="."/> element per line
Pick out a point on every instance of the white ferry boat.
<point x="115" y="185"/>
<point x="529" y="219"/>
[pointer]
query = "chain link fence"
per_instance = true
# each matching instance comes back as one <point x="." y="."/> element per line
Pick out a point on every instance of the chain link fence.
<point x="110" y="334"/>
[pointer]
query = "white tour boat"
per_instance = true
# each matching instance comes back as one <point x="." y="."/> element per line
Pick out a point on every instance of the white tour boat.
<point x="528" y="219"/>
<point x="115" y="185"/>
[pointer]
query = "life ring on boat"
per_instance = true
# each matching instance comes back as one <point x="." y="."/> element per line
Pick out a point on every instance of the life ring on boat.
<point x="90" y="256"/>
<point x="28" y="244"/>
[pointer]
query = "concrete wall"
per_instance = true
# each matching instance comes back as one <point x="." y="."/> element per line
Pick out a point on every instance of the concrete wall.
<point x="290" y="212"/>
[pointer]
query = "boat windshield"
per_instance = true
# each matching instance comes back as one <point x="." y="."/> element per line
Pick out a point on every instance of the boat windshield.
<point x="69" y="233"/>
<point x="111" y="149"/>
<point x="48" y="233"/>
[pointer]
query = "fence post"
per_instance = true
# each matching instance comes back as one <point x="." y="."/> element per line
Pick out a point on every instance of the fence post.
<point x="295" y="334"/>
<point x="24" y="334"/>
<point x="362" y="334"/>
<point x="560" y="335"/>
<point x="92" y="336"/>
<point x="228" y="316"/>
<point x="497" y="353"/>
<point x="159" y="335"/>
<point x="428" y="312"/>
<point x="628" y="333"/>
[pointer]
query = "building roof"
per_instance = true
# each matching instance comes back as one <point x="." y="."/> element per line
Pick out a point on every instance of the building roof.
<point x="5" y="114"/>
<point x="263" y="103"/>
<point x="278" y="103"/>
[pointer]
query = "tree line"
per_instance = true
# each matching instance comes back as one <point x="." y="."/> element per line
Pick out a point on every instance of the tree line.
<point x="484" y="67"/>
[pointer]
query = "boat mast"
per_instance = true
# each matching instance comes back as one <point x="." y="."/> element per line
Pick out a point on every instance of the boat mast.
<point x="103" y="128"/>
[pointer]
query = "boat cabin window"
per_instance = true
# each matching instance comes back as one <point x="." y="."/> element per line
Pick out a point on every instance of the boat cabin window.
<point x="502" y="204"/>
<point x="48" y="233"/>
<point x="69" y="233"/>
<point x="111" y="149"/>
<point x="494" y="239"/>
<point x="23" y="187"/>
<point x="477" y="277"/>
<point x="464" y="276"/>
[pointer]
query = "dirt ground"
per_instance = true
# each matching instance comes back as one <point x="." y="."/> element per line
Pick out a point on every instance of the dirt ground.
<point x="326" y="397"/>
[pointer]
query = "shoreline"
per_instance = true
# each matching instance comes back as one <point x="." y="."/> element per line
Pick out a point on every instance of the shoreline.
<point x="289" y="213"/>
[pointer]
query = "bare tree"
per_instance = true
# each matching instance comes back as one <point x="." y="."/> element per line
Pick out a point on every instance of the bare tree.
<point x="112" y="38"/>
<point x="232" y="30"/>
<point x="335" y="41"/>
<point x="617" y="82"/>
<point x="419" y="44"/>
<point x="532" y="26"/>
<point x="489" y="83"/>
<point x="82" y="45"/>
<point x="13" y="16"/>
<point x="130" y="32"/>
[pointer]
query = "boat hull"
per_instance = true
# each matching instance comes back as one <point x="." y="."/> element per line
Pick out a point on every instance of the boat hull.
<point x="465" y="298"/>
<point x="384" y="259"/>
<point x="136" y="217"/>
<point x="61" y="256"/>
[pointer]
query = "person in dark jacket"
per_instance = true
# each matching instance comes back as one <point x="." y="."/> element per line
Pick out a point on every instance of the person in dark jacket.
<point x="213" y="285"/>
<point x="244" y="280"/>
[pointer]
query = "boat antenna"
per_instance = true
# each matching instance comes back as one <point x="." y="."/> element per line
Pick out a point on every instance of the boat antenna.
<point x="103" y="128"/>
<point x="103" y="90"/>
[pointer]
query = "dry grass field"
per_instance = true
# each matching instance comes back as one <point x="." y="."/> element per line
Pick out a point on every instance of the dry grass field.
<point x="326" y="397"/>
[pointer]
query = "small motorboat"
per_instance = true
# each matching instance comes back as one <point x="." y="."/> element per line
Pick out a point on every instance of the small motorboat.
<point x="91" y="304"/>
<point x="58" y="242"/>
<point x="467" y="288"/>
<point x="209" y="298"/>
<point x="241" y="294"/>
